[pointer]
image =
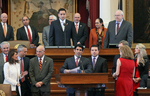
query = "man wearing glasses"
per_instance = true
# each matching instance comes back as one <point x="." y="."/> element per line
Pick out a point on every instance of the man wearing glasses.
<point x="46" y="30"/>
<point x="76" y="61"/>
<point x="40" y="72"/>
<point x="118" y="30"/>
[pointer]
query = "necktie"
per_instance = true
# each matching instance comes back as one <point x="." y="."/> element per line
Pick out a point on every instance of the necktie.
<point x="93" y="62"/>
<point x="117" y="27"/>
<point x="77" y="28"/>
<point x="4" y="29"/>
<point x="6" y="58"/>
<point x="40" y="63"/>
<point x="29" y="35"/>
<point x="22" y="69"/>
<point x="77" y="62"/>
<point x="63" y="27"/>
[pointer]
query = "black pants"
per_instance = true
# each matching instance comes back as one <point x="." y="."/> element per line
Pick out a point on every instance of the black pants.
<point x="70" y="94"/>
<point x="39" y="93"/>
<point x="97" y="92"/>
<point x="25" y="89"/>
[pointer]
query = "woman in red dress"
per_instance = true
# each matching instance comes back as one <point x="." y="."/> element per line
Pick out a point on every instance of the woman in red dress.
<point x="124" y="72"/>
<point x="142" y="64"/>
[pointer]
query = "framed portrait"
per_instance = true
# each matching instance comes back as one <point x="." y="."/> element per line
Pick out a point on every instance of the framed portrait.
<point x="138" y="13"/>
<point x="38" y="12"/>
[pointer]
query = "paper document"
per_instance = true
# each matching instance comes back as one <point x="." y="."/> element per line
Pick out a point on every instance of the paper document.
<point x="74" y="70"/>
<point x="19" y="89"/>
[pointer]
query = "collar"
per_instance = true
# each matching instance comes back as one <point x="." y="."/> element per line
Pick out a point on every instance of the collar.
<point x="5" y="55"/>
<point x="76" y="23"/>
<point x="76" y="57"/>
<point x="95" y="57"/>
<point x="3" y="23"/>
<point x="119" y="22"/>
<point x="64" y="21"/>
<point x="41" y="58"/>
<point x="19" y="58"/>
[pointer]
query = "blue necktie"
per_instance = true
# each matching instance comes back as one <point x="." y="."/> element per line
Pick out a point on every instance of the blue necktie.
<point x="93" y="62"/>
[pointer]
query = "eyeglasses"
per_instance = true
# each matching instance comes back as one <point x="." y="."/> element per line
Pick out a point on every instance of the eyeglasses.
<point x="117" y="15"/>
<point x="79" y="49"/>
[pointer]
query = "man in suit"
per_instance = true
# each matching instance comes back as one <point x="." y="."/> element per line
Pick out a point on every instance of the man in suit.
<point x="99" y="65"/>
<point x="118" y="30"/>
<point x="40" y="72"/>
<point x="76" y="61"/>
<point x="28" y="32"/>
<point x="79" y="30"/>
<point x="6" y="31"/>
<point x="121" y="43"/>
<point x="5" y="46"/>
<point x="24" y="66"/>
<point x="61" y="30"/>
<point x="45" y="34"/>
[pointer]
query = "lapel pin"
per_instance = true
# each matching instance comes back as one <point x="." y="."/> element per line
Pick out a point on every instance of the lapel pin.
<point x="45" y="61"/>
<point x="80" y="25"/>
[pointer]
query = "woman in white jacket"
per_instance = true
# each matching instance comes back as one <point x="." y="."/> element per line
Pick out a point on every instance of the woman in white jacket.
<point x="12" y="70"/>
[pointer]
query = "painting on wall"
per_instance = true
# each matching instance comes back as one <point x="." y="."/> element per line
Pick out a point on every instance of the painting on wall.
<point x="38" y="11"/>
<point x="141" y="15"/>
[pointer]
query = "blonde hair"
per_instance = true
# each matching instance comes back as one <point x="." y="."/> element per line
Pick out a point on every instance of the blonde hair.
<point x="126" y="52"/>
<point x="143" y="53"/>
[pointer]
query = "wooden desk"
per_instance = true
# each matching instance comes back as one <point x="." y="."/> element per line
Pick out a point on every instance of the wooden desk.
<point x="143" y="92"/>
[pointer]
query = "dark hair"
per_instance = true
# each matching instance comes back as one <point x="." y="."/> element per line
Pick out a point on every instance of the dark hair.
<point x="10" y="54"/>
<point x="78" y="45"/>
<point x="124" y="42"/>
<point x="94" y="46"/>
<point x="101" y="21"/>
<point x="61" y="9"/>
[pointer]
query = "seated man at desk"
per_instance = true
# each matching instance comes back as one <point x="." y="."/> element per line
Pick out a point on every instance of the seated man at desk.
<point x="76" y="61"/>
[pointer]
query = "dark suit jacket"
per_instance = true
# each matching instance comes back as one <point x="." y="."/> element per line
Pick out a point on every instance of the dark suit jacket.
<point x="125" y="32"/>
<point x="143" y="69"/>
<point x="115" y="63"/>
<point x="1" y="68"/>
<point x="143" y="82"/>
<point x="43" y="75"/>
<point x="26" y="62"/>
<point x="82" y="33"/>
<point x="21" y="35"/>
<point x="56" y="35"/>
<point x="70" y="64"/>
<point x="9" y="35"/>
<point x="100" y="65"/>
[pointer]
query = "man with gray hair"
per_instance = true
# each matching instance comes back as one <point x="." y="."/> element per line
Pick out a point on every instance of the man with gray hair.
<point x="46" y="30"/>
<point x="24" y="66"/>
<point x="6" y="31"/>
<point x="118" y="30"/>
<point x="5" y="46"/>
<point x="40" y="71"/>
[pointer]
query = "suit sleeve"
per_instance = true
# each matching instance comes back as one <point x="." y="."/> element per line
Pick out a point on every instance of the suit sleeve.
<point x="114" y="63"/>
<point x="83" y="39"/>
<point x="44" y="37"/>
<point x="18" y="35"/>
<point x="49" y="75"/>
<point x="146" y="67"/>
<point x="130" y="35"/>
<point x="74" y="39"/>
<point x="51" y="35"/>
<point x="31" y="72"/>
<point x="88" y="67"/>
<point x="106" y="41"/>
<point x="65" y="66"/>
<point x="36" y="41"/>
<point x="12" y="33"/>
<point x="105" y="66"/>
<point x="90" y="39"/>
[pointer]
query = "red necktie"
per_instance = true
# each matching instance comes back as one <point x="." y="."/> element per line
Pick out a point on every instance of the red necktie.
<point x="6" y="58"/>
<point x="117" y="27"/>
<point x="40" y="63"/>
<point x="77" y="28"/>
<point x="29" y="35"/>
<point x="22" y="69"/>
<point x="77" y="62"/>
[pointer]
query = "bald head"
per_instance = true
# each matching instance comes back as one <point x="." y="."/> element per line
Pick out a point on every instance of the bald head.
<point x="4" y="17"/>
<point x="40" y="51"/>
<point x="77" y="17"/>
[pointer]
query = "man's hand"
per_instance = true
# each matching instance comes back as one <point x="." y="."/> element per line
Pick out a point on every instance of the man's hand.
<point x="66" y="71"/>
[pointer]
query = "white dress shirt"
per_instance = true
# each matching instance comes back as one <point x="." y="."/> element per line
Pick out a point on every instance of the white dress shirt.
<point x="27" y="31"/>
<point x="119" y="26"/>
<point x="62" y="23"/>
